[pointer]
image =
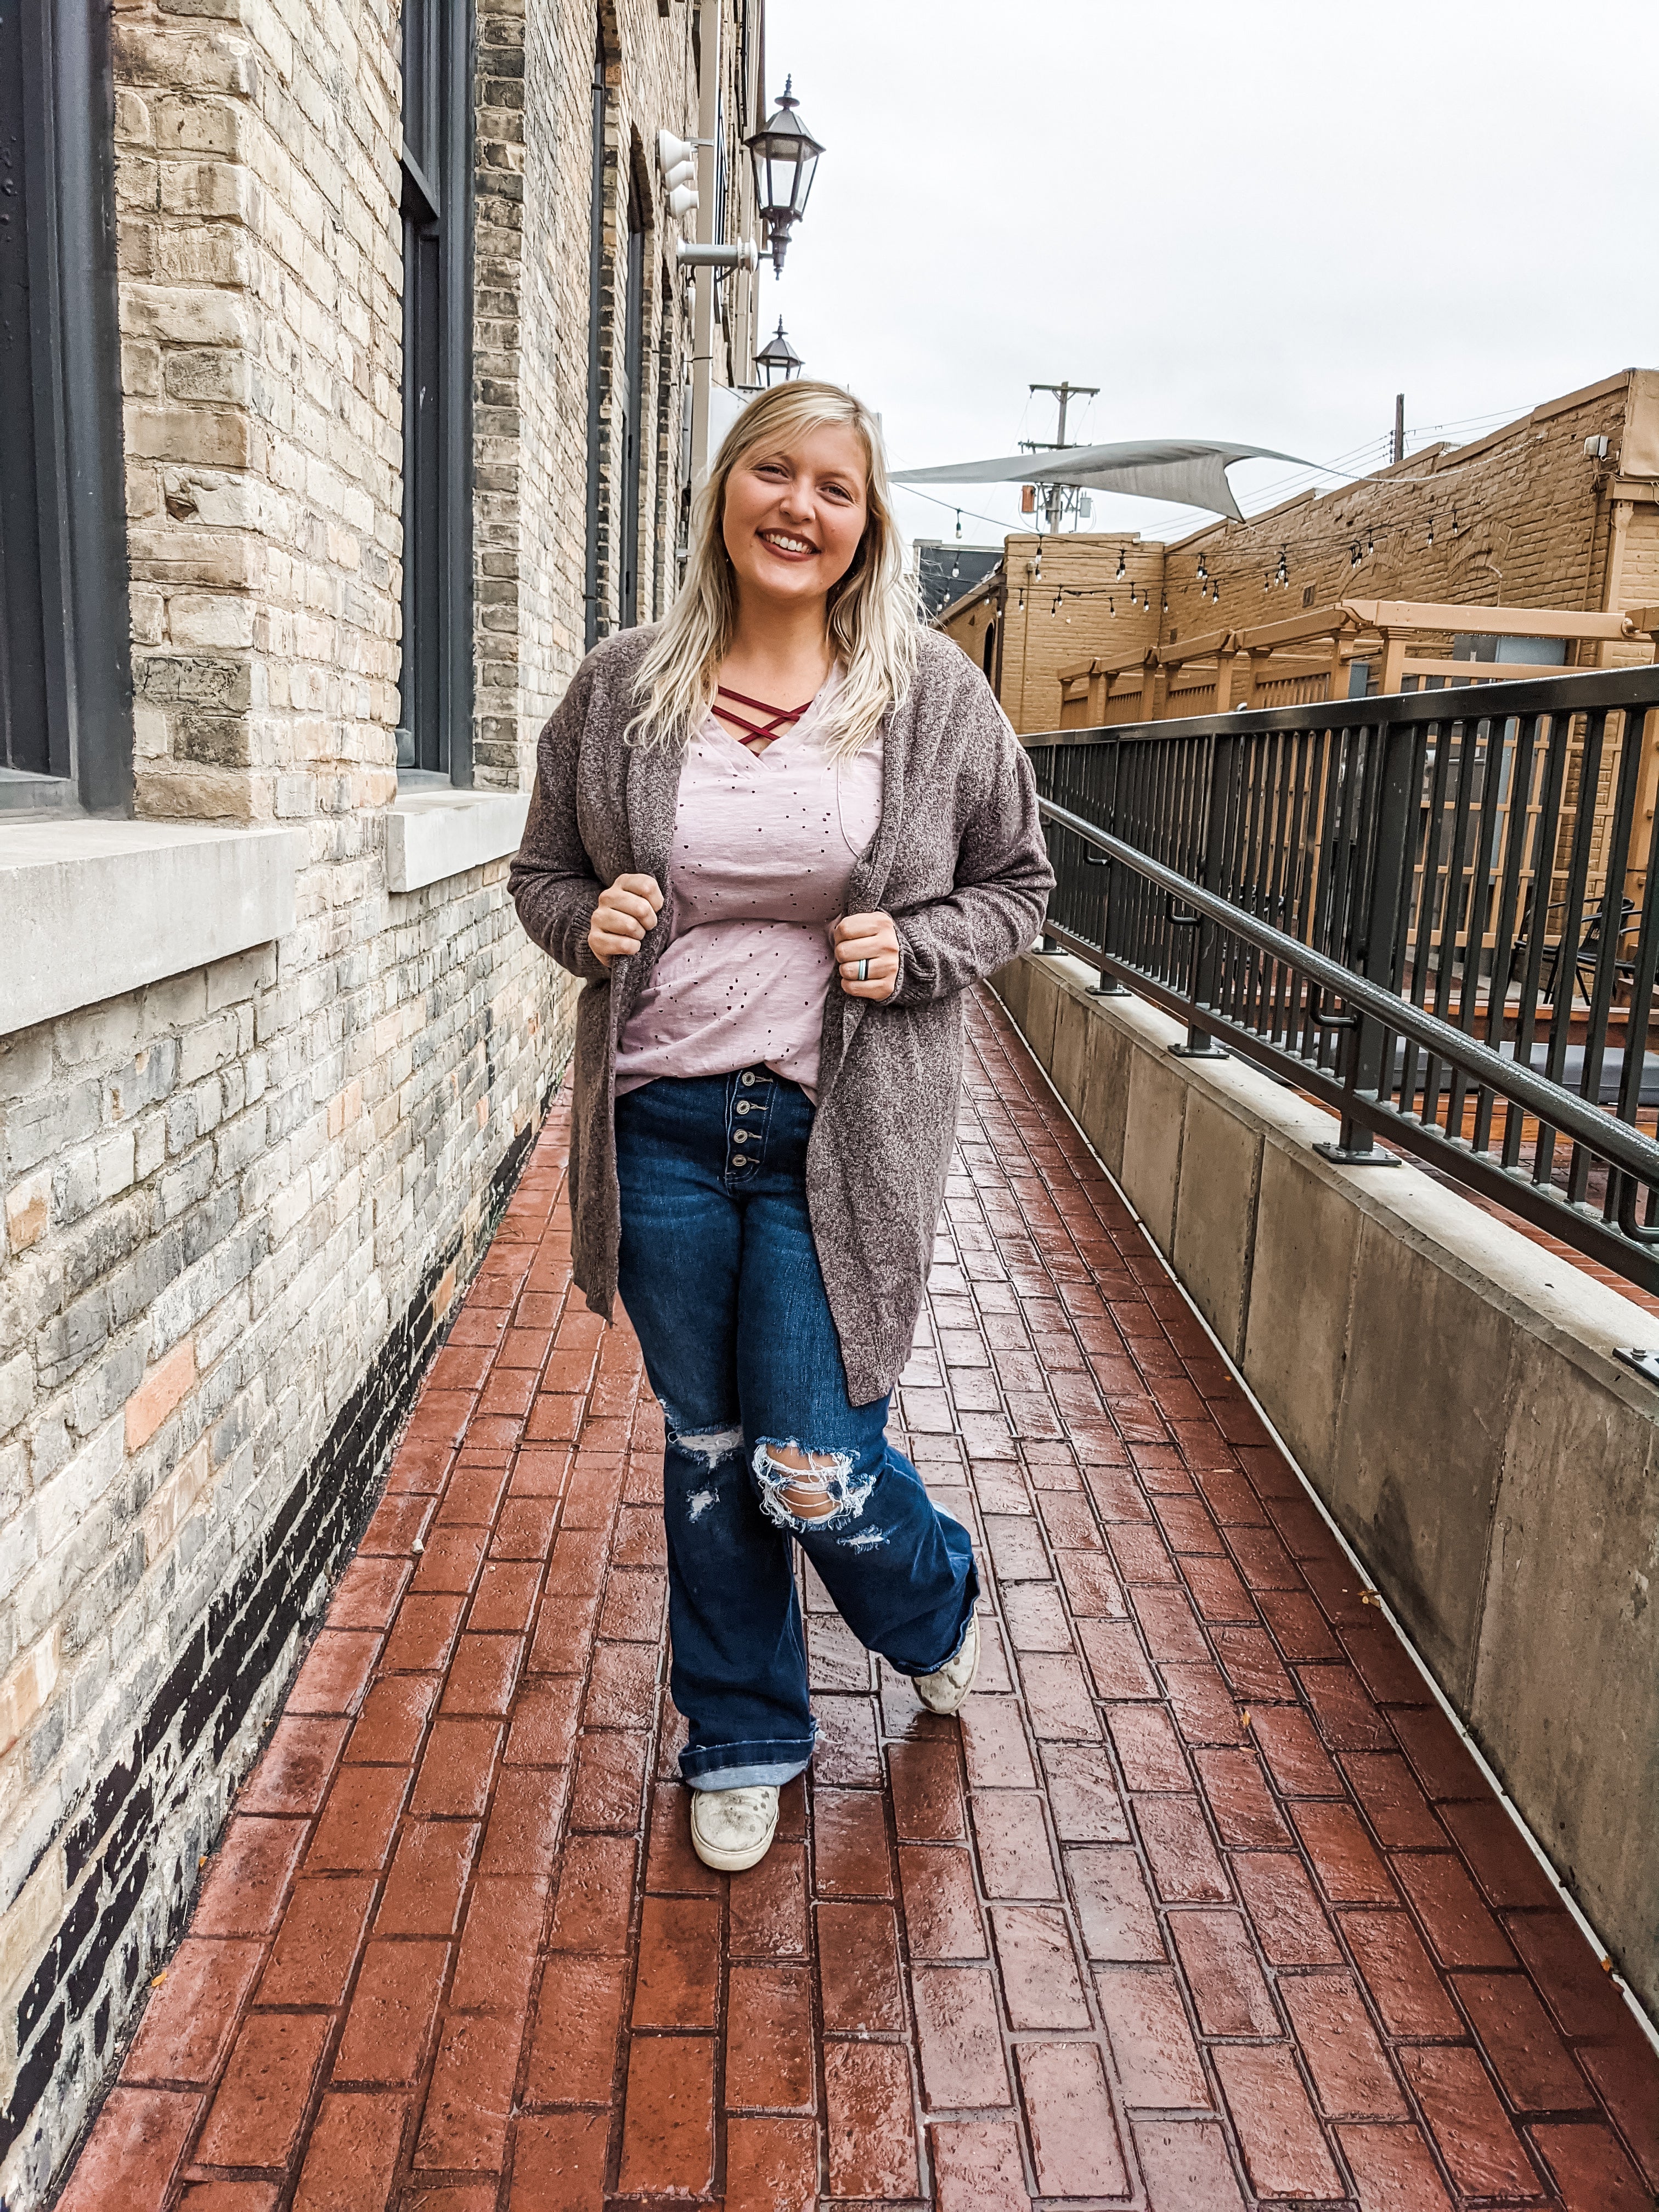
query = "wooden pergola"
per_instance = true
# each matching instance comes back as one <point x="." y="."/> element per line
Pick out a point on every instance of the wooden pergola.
<point x="1310" y="657"/>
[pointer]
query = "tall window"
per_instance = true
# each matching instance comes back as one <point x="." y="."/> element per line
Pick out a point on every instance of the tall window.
<point x="65" y="665"/>
<point x="632" y="410"/>
<point x="436" y="733"/>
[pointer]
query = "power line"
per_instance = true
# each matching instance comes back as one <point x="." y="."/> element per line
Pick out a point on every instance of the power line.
<point x="951" y="507"/>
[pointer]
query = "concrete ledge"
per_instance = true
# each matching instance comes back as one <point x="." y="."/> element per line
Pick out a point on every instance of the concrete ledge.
<point x="91" y="909"/>
<point x="430" y="835"/>
<point x="1448" y="1387"/>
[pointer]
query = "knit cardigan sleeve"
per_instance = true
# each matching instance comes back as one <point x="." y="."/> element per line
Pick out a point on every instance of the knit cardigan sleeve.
<point x="1003" y="875"/>
<point x="551" y="879"/>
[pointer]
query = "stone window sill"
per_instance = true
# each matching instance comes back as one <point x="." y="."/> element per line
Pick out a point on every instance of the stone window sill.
<point x="23" y="792"/>
<point x="434" y="831"/>
<point x="92" y="909"/>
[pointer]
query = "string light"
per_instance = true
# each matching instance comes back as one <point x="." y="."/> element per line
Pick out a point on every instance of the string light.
<point x="1203" y="573"/>
<point x="1166" y="603"/>
<point x="1430" y="526"/>
<point x="959" y="526"/>
<point x="1123" y="566"/>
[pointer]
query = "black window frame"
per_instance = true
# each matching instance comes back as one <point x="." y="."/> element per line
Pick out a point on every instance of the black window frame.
<point x="593" y="625"/>
<point x="438" y="50"/>
<point x="64" y="560"/>
<point x="632" y="409"/>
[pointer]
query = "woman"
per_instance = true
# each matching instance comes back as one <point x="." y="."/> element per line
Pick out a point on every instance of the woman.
<point x="778" y="834"/>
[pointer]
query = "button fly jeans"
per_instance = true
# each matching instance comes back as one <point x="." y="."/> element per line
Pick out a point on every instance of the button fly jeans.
<point x="719" y="1276"/>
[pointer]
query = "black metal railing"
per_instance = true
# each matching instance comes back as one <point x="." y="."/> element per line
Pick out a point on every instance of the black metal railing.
<point x="1435" y="911"/>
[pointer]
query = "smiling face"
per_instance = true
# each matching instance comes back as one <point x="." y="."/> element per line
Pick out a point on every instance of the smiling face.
<point x="794" y="514"/>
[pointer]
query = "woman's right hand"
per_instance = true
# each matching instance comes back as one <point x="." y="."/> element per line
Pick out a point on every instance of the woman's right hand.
<point x="623" y="915"/>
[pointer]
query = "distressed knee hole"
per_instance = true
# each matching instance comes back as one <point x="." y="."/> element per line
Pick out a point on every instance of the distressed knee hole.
<point x="807" y="1496"/>
<point x="805" y="1489"/>
<point x="710" y="1447"/>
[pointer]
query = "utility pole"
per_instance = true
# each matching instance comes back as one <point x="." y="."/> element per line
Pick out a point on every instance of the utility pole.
<point x="1055" y="496"/>
<point x="1398" y="452"/>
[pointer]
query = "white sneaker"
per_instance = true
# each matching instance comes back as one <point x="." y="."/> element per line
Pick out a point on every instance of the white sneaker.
<point x="945" y="1690"/>
<point x="732" y="1829"/>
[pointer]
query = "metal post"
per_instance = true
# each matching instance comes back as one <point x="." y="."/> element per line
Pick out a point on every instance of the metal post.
<point x="1367" y="1041"/>
<point x="1108" y="986"/>
<point x="1354" y="1147"/>
<point x="1200" y="1044"/>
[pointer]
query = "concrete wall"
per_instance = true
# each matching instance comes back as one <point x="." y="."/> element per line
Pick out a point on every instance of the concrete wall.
<point x="1448" y="1387"/>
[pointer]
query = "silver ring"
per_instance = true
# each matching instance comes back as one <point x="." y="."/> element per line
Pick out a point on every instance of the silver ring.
<point x="863" y="971"/>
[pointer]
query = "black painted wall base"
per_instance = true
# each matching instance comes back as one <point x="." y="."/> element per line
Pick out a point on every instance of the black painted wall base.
<point x="196" y="1716"/>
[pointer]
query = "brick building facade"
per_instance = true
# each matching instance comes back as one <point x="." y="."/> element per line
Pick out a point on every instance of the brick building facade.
<point x="380" y="312"/>
<point x="1558" y="510"/>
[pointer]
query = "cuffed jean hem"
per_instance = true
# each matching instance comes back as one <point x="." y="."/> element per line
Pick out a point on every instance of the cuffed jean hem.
<point x="764" y="1775"/>
<point x="939" y="1665"/>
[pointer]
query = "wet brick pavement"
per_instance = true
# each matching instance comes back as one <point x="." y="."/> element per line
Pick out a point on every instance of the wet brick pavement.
<point x="1199" y="1905"/>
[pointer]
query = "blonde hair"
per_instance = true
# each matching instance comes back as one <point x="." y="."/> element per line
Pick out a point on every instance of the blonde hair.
<point x="871" y="615"/>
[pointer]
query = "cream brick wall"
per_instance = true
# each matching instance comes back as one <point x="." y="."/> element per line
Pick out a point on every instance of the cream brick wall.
<point x="238" y="1204"/>
<point x="257" y="179"/>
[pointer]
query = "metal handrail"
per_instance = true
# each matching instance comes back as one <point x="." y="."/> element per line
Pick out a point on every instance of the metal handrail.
<point x="1616" y="1141"/>
<point x="1408" y="857"/>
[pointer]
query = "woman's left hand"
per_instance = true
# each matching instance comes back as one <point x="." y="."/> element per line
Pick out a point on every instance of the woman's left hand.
<point x="869" y="938"/>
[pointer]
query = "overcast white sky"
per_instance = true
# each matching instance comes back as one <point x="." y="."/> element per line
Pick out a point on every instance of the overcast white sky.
<point x="1245" y="219"/>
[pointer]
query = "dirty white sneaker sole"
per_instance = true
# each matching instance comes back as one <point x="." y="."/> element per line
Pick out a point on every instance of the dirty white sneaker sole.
<point x="732" y="1829"/>
<point x="945" y="1690"/>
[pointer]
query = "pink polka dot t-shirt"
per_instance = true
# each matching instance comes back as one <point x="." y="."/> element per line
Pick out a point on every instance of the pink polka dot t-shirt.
<point x="763" y="848"/>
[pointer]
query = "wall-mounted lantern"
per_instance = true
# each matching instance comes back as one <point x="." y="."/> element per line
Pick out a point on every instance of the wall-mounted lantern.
<point x="778" y="358"/>
<point x="786" y="155"/>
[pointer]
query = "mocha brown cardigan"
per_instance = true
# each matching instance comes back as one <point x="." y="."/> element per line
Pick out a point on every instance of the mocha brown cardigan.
<point x="958" y="861"/>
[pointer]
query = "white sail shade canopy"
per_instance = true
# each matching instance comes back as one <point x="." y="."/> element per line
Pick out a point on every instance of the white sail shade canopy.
<point x="1186" y="471"/>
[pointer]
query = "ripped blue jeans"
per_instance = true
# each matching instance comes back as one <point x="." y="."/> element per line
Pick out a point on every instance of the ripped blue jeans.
<point x="719" y="1276"/>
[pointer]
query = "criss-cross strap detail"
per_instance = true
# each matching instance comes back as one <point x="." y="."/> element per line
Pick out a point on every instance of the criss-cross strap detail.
<point x="783" y="720"/>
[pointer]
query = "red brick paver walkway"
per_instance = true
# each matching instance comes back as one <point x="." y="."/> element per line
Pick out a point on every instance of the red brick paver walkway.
<point x="1199" y="1905"/>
